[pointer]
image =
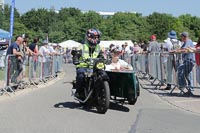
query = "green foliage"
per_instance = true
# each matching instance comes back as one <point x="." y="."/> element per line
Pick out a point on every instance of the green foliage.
<point x="160" y="24"/>
<point x="71" y="23"/>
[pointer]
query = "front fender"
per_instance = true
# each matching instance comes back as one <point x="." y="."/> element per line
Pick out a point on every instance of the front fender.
<point x="102" y="75"/>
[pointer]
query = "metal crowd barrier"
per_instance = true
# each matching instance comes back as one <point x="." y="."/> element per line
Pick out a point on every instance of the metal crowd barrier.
<point x="32" y="70"/>
<point x="167" y="68"/>
<point x="2" y="73"/>
<point x="35" y="70"/>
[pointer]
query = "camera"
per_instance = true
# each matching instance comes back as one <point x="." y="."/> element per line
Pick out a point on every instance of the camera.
<point x="76" y="55"/>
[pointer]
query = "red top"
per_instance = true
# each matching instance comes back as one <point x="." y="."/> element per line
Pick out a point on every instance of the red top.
<point x="197" y="55"/>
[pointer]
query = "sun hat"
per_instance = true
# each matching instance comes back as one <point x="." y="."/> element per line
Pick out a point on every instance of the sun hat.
<point x="172" y="34"/>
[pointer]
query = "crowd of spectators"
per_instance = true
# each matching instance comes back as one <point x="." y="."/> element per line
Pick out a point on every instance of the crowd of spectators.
<point x="42" y="53"/>
<point x="22" y="49"/>
<point x="178" y="55"/>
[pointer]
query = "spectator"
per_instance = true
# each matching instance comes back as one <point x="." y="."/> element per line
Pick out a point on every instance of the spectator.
<point x="110" y="46"/>
<point x="136" y="48"/>
<point x="60" y="52"/>
<point x="68" y="55"/>
<point x="169" y="62"/>
<point x="34" y="48"/>
<point x="14" y="49"/>
<point x="108" y="55"/>
<point x="153" y="45"/>
<point x="26" y="53"/>
<point x="122" y="52"/>
<point x="52" y="48"/>
<point x="127" y="53"/>
<point x="185" y="69"/>
<point x="197" y="57"/>
<point x="44" y="52"/>
<point x="144" y="46"/>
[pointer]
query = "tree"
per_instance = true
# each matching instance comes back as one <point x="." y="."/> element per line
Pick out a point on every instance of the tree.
<point x="160" y="24"/>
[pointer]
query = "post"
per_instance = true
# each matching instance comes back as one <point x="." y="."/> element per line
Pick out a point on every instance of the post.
<point x="12" y="19"/>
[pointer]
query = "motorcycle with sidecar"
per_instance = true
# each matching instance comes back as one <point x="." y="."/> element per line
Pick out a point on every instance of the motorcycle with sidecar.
<point x="101" y="85"/>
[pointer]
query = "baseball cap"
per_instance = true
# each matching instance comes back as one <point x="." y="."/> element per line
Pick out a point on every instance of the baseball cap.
<point x="45" y="42"/>
<point x="185" y="34"/>
<point x="153" y="37"/>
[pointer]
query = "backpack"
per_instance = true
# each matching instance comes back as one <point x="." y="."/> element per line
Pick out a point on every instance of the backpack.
<point x="175" y="44"/>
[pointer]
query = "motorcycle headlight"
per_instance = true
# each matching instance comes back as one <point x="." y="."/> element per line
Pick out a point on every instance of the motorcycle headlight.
<point x="100" y="65"/>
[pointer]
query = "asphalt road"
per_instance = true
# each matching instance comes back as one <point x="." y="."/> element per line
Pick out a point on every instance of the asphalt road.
<point x="52" y="109"/>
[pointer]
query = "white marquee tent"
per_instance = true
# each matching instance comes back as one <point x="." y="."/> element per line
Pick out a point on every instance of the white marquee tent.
<point x="106" y="44"/>
<point x="70" y="44"/>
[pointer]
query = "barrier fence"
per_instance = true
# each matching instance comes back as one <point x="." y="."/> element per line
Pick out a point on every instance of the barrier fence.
<point x="168" y="68"/>
<point x="29" y="71"/>
<point x="165" y="67"/>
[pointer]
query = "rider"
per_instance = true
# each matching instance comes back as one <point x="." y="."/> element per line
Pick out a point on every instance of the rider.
<point x="90" y="49"/>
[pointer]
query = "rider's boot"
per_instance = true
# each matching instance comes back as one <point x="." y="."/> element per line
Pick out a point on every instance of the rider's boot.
<point x="74" y="84"/>
<point x="76" y="89"/>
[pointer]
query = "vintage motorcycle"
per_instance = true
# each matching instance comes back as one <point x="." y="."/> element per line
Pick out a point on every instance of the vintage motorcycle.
<point x="95" y="90"/>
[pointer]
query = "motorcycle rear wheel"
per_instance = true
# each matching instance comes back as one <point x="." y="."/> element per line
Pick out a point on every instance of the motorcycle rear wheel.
<point x="103" y="97"/>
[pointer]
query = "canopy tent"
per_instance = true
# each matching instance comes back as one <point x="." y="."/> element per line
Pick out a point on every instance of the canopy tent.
<point x="4" y="34"/>
<point x="106" y="44"/>
<point x="70" y="44"/>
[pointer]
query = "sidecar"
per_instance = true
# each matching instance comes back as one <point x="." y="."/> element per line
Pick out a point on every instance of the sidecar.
<point x="124" y="86"/>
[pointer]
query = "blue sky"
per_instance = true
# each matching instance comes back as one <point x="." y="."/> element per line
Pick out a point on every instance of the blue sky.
<point x="146" y="7"/>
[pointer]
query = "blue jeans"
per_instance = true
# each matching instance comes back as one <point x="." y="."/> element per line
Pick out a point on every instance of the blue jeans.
<point x="17" y="72"/>
<point x="185" y="73"/>
<point x="80" y="78"/>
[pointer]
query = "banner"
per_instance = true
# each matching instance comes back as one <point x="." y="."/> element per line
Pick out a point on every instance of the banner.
<point x="12" y="18"/>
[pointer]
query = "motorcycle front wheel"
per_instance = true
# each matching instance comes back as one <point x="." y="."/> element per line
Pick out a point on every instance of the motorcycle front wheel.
<point x="103" y="97"/>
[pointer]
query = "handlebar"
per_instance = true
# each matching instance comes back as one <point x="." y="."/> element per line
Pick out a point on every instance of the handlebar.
<point x="91" y="60"/>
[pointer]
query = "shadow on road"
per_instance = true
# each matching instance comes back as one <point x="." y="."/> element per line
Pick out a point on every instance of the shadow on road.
<point x="166" y="93"/>
<point x="118" y="107"/>
<point x="70" y="105"/>
<point x="74" y="105"/>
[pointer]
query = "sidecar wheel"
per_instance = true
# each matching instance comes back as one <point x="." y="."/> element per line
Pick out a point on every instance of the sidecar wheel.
<point x="132" y="101"/>
<point x="103" y="98"/>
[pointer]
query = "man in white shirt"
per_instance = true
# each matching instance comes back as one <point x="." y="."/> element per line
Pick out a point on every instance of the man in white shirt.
<point x="127" y="53"/>
<point x="171" y="44"/>
<point x="44" y="52"/>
